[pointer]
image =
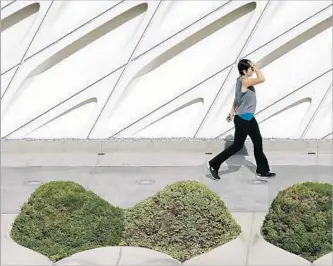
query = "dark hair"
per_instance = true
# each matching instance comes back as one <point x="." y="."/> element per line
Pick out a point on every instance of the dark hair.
<point x="243" y="64"/>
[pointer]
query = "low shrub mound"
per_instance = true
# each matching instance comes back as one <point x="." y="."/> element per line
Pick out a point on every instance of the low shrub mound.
<point x="183" y="220"/>
<point x="300" y="220"/>
<point x="62" y="218"/>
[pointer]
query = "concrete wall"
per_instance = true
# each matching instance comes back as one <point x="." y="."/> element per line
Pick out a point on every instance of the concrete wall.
<point x="162" y="69"/>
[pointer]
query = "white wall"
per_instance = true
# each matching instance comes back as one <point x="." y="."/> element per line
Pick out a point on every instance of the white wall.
<point x="156" y="69"/>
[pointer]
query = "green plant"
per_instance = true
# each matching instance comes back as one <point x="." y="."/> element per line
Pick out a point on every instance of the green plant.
<point x="300" y="220"/>
<point x="62" y="218"/>
<point x="183" y="220"/>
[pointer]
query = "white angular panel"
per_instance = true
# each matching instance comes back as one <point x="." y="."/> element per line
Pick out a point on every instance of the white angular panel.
<point x="299" y="107"/>
<point x="4" y="3"/>
<point x="322" y="123"/>
<point x="75" y="62"/>
<point x="19" y="23"/>
<point x="283" y="16"/>
<point x="165" y="25"/>
<point x="330" y="136"/>
<point x="65" y="124"/>
<point x="74" y="117"/>
<point x="6" y="78"/>
<point x="65" y="17"/>
<point x="164" y="127"/>
<point x="279" y="125"/>
<point x="186" y="111"/>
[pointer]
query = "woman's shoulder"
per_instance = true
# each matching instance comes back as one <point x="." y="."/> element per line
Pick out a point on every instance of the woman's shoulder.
<point x="239" y="81"/>
<point x="242" y="79"/>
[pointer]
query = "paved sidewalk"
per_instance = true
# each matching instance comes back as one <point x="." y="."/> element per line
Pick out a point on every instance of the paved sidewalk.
<point x="126" y="186"/>
<point x="125" y="178"/>
<point x="115" y="176"/>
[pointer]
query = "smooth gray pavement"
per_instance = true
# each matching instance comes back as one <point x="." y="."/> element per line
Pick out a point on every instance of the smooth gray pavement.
<point x="125" y="180"/>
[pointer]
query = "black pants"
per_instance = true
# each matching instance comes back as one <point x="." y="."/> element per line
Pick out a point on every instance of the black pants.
<point x="243" y="128"/>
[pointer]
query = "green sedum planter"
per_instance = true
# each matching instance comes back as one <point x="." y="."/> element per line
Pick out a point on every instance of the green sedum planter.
<point x="300" y="220"/>
<point x="184" y="220"/>
<point x="62" y="218"/>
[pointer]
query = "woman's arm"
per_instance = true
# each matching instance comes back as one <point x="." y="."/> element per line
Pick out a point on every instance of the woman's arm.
<point x="231" y="115"/>
<point x="250" y="81"/>
<point x="233" y="107"/>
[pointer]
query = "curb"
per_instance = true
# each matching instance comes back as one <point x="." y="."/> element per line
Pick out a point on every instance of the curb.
<point x="157" y="145"/>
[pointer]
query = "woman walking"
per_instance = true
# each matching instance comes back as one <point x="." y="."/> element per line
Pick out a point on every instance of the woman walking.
<point x="242" y="112"/>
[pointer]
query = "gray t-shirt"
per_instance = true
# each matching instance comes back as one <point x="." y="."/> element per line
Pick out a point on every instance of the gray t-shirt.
<point x="245" y="102"/>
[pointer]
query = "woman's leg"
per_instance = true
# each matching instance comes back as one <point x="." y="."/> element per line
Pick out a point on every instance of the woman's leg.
<point x="255" y="135"/>
<point x="241" y="131"/>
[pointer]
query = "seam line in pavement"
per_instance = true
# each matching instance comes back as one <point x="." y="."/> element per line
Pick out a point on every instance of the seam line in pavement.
<point x="250" y="240"/>
<point x="119" y="256"/>
<point x="205" y="171"/>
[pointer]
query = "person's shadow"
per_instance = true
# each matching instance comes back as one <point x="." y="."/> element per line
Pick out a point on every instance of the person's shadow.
<point x="235" y="162"/>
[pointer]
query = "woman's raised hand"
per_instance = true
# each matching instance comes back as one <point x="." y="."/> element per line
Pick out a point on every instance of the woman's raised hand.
<point x="252" y="64"/>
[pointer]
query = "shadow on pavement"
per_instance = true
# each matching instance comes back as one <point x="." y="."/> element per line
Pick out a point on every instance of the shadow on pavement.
<point x="241" y="159"/>
<point x="236" y="162"/>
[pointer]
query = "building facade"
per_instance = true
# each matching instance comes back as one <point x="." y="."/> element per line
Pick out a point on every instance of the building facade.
<point x="162" y="69"/>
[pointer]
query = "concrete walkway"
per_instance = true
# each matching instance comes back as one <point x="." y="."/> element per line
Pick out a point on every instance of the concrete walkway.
<point x="126" y="186"/>
<point x="125" y="177"/>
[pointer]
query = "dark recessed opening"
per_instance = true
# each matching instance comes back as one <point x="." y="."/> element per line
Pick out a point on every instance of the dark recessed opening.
<point x="208" y="153"/>
<point x="311" y="153"/>
<point x="101" y="153"/>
